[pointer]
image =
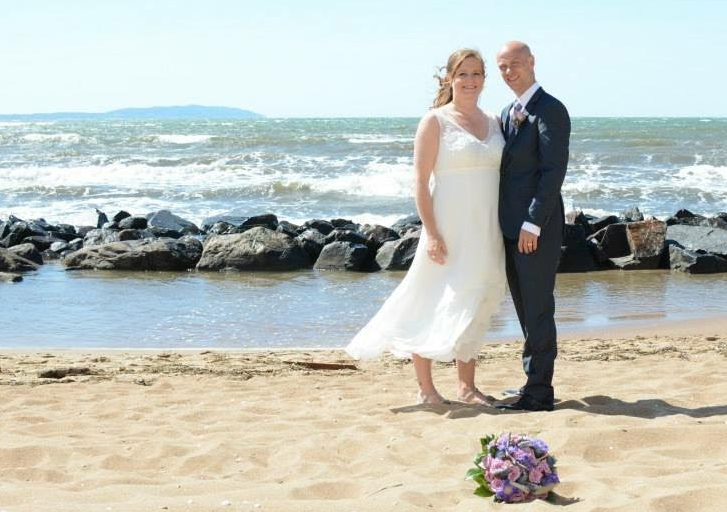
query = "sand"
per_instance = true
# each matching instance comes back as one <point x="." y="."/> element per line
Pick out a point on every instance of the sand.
<point x="640" y="425"/>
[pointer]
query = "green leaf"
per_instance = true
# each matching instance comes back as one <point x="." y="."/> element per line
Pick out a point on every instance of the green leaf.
<point x="480" y="479"/>
<point x="472" y="473"/>
<point x="483" y="492"/>
<point x="486" y="440"/>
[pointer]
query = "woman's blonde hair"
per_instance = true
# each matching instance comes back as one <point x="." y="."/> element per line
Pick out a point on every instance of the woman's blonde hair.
<point x="444" y="95"/>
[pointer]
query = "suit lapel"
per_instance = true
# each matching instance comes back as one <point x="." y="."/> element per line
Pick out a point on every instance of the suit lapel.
<point x="531" y="104"/>
<point x="505" y="120"/>
<point x="510" y="139"/>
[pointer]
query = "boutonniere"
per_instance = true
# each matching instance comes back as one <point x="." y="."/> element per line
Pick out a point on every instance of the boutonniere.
<point x="519" y="119"/>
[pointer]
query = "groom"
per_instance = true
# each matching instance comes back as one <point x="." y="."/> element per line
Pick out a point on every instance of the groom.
<point x="536" y="127"/>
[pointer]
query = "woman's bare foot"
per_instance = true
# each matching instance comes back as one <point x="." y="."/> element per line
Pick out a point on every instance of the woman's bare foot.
<point x="432" y="397"/>
<point x="476" y="397"/>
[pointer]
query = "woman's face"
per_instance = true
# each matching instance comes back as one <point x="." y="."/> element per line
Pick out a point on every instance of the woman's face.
<point x="468" y="79"/>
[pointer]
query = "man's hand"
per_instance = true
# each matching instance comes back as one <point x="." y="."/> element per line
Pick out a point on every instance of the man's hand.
<point x="528" y="242"/>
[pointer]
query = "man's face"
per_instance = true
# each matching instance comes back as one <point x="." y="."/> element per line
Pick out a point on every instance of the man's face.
<point x="517" y="68"/>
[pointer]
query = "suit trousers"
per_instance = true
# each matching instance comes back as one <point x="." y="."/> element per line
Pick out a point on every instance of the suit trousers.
<point x="531" y="278"/>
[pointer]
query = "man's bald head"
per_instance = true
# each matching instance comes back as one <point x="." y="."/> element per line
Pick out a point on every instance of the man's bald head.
<point x="515" y="47"/>
<point x="517" y="66"/>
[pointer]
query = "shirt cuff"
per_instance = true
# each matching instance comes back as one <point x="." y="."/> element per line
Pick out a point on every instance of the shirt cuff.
<point x="532" y="228"/>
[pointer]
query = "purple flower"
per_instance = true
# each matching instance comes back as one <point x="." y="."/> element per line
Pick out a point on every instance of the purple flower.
<point x="550" y="479"/>
<point x="514" y="473"/>
<point x="496" y="484"/>
<point x="503" y="442"/>
<point x="509" y="494"/>
<point x="535" y="475"/>
<point x="539" y="447"/>
<point x="524" y="457"/>
<point x="544" y="467"/>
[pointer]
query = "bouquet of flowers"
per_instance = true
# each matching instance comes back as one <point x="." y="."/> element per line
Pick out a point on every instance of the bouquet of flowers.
<point x="513" y="469"/>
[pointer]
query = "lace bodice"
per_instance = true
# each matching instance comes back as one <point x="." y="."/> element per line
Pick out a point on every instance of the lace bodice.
<point x="459" y="149"/>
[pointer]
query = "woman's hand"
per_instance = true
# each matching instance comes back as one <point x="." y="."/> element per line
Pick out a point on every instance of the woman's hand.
<point x="437" y="249"/>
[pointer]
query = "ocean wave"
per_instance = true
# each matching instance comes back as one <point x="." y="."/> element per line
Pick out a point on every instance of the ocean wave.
<point x="181" y="139"/>
<point x="708" y="178"/>
<point x="65" y="138"/>
<point x="379" y="139"/>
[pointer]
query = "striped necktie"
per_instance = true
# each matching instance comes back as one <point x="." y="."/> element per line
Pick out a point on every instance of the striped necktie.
<point x="518" y="108"/>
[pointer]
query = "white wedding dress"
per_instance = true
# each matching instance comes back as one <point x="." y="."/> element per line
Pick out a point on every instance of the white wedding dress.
<point x="441" y="312"/>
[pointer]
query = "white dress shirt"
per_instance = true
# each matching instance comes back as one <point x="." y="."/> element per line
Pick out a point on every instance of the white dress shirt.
<point x="523" y="100"/>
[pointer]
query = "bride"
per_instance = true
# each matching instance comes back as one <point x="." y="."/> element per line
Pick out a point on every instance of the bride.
<point x="442" y="308"/>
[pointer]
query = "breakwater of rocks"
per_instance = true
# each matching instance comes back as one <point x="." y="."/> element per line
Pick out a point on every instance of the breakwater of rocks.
<point x="685" y="242"/>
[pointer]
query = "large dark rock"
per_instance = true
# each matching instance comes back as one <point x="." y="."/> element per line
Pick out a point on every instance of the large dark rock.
<point x="398" y="254"/>
<point x="100" y="237"/>
<point x="221" y="228"/>
<point x="60" y="246"/>
<point x="160" y="232"/>
<point x="4" y="229"/>
<point x="611" y="241"/>
<point x="581" y="219"/>
<point x="322" y="226"/>
<point x="699" y="238"/>
<point x="715" y="222"/>
<point x="692" y="262"/>
<point x="344" y="224"/>
<point x="164" y="219"/>
<point x="147" y="254"/>
<point x="63" y="235"/>
<point x="379" y="234"/>
<point x="40" y="242"/>
<point x="133" y="223"/>
<point x="407" y="224"/>
<point x="646" y="242"/>
<point x="233" y="220"/>
<point x="312" y="242"/>
<point x="346" y="235"/>
<point x="131" y="234"/>
<point x="29" y="252"/>
<point x="343" y="256"/>
<point x="575" y="255"/>
<point x="19" y="231"/>
<point x="101" y="219"/>
<point x="288" y="228"/>
<point x="84" y="230"/>
<point x="601" y="222"/>
<point x="63" y="228"/>
<point x="10" y="262"/>
<point x="685" y="217"/>
<point x="256" y="249"/>
<point x="120" y="216"/>
<point x="267" y="220"/>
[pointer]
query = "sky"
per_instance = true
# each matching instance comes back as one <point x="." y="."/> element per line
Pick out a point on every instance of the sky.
<point x="356" y="58"/>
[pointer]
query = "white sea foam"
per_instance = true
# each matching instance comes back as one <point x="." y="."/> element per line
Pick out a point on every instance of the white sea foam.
<point x="181" y="139"/>
<point x="68" y="138"/>
<point x="378" y="139"/>
<point x="708" y="178"/>
<point x="378" y="179"/>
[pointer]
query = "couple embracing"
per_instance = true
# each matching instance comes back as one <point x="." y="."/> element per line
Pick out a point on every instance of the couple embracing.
<point x="494" y="215"/>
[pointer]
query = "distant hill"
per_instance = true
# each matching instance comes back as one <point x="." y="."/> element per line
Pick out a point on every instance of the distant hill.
<point x="174" y="112"/>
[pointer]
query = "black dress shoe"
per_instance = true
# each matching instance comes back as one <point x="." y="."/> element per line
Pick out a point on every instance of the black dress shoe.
<point x="526" y="403"/>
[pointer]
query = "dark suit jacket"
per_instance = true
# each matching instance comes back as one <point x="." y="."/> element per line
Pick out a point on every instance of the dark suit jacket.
<point x="533" y="167"/>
